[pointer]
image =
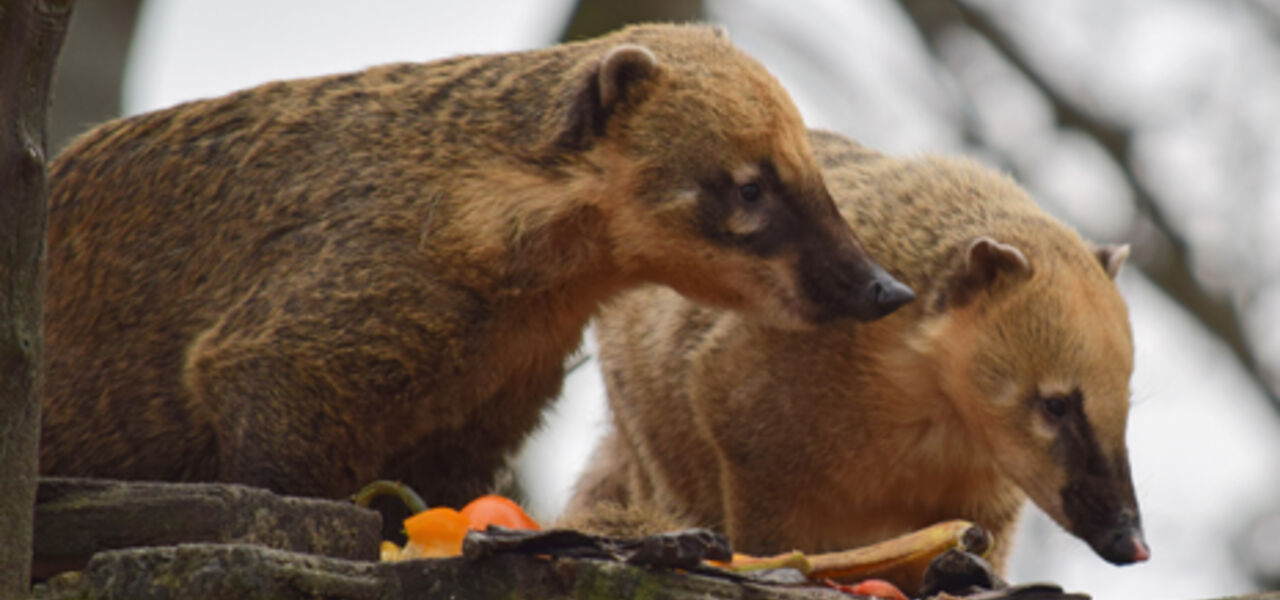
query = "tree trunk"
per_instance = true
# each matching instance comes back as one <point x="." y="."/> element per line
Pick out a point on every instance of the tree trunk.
<point x="31" y="33"/>
<point x="593" y="18"/>
<point x="91" y="65"/>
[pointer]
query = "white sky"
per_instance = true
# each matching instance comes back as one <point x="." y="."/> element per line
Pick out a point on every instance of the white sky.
<point x="188" y="49"/>
<point x="1204" y="447"/>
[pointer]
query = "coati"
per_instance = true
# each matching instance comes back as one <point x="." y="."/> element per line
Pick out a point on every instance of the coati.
<point x="315" y="283"/>
<point x="1007" y="378"/>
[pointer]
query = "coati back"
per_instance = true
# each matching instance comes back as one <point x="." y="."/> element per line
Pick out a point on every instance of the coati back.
<point x="315" y="283"/>
<point x="1007" y="378"/>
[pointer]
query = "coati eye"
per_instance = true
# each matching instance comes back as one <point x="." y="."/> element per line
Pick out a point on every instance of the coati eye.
<point x="750" y="192"/>
<point x="1055" y="407"/>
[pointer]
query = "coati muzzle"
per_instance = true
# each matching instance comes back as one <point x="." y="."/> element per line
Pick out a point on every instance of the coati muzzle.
<point x="1123" y="544"/>
<point x="1098" y="501"/>
<point x="886" y="294"/>
<point x="851" y="285"/>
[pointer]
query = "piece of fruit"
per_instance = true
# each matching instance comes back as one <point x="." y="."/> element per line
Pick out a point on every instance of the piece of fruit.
<point x="745" y="563"/>
<point x="435" y="533"/>
<point x="497" y="510"/>
<point x="901" y="560"/>
<point x="906" y="556"/>
<point x="389" y="551"/>
<point x="874" y="588"/>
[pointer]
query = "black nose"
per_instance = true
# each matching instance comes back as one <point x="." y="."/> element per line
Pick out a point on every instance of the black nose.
<point x="1123" y="546"/>
<point x="889" y="294"/>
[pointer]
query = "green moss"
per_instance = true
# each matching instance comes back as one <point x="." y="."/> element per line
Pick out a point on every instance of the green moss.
<point x="600" y="581"/>
<point x="71" y="585"/>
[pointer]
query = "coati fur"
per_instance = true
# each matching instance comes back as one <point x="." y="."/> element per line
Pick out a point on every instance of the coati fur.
<point x="316" y="283"/>
<point x="1007" y="378"/>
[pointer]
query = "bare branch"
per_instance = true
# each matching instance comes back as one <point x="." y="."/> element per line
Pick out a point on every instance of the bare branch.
<point x="32" y="34"/>
<point x="1266" y="13"/>
<point x="594" y="18"/>
<point x="1170" y="269"/>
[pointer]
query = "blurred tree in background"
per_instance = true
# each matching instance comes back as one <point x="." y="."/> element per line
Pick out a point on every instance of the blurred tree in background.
<point x="593" y="18"/>
<point x="87" y="89"/>
<point x="1161" y="249"/>
<point x="31" y="36"/>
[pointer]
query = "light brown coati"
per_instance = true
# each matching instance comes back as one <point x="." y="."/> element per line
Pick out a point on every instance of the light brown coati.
<point x="315" y="283"/>
<point x="1008" y="378"/>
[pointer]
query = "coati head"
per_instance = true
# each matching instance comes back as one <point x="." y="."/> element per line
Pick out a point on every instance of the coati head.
<point x="1036" y="353"/>
<point x="724" y="194"/>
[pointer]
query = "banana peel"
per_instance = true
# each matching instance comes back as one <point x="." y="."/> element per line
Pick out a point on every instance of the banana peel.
<point x="901" y="560"/>
<point x="914" y="550"/>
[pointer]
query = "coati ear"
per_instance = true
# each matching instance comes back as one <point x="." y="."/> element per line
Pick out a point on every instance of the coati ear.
<point x="1112" y="257"/>
<point x="621" y="69"/>
<point x="609" y="83"/>
<point x="987" y="259"/>
<point x="985" y="262"/>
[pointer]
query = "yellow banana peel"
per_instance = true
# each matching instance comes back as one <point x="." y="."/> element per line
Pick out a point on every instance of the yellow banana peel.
<point x="901" y="560"/>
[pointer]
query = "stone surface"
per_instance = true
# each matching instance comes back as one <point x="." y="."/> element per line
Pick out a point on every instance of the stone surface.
<point x="250" y="543"/>
<point x="76" y="518"/>
<point x="241" y="571"/>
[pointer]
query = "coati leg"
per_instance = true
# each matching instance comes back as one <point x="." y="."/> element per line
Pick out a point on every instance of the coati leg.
<point x="613" y="498"/>
<point x="307" y="380"/>
<point x="275" y="422"/>
<point x="751" y="518"/>
<point x="607" y="477"/>
<point x="451" y="467"/>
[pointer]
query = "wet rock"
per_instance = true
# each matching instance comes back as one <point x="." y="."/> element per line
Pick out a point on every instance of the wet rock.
<point x="76" y="518"/>
<point x="959" y="573"/>
<point x="1031" y="591"/>
<point x="215" y="571"/>
<point x="684" y="549"/>
<point x="247" y="572"/>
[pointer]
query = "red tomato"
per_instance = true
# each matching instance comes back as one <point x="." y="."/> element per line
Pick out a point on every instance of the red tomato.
<point x="874" y="588"/>
<point x="497" y="510"/>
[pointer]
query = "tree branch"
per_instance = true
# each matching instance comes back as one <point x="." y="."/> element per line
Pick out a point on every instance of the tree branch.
<point x="32" y="32"/>
<point x="593" y="18"/>
<point x="1170" y="268"/>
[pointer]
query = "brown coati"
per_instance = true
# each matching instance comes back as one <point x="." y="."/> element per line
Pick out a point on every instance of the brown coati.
<point x="1008" y="378"/>
<point x="315" y="283"/>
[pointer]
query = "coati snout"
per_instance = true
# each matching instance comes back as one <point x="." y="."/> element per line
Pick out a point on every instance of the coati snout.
<point x="1098" y="502"/>
<point x="1122" y="544"/>
<point x="835" y="275"/>
<point x="815" y="269"/>
<point x="850" y="286"/>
